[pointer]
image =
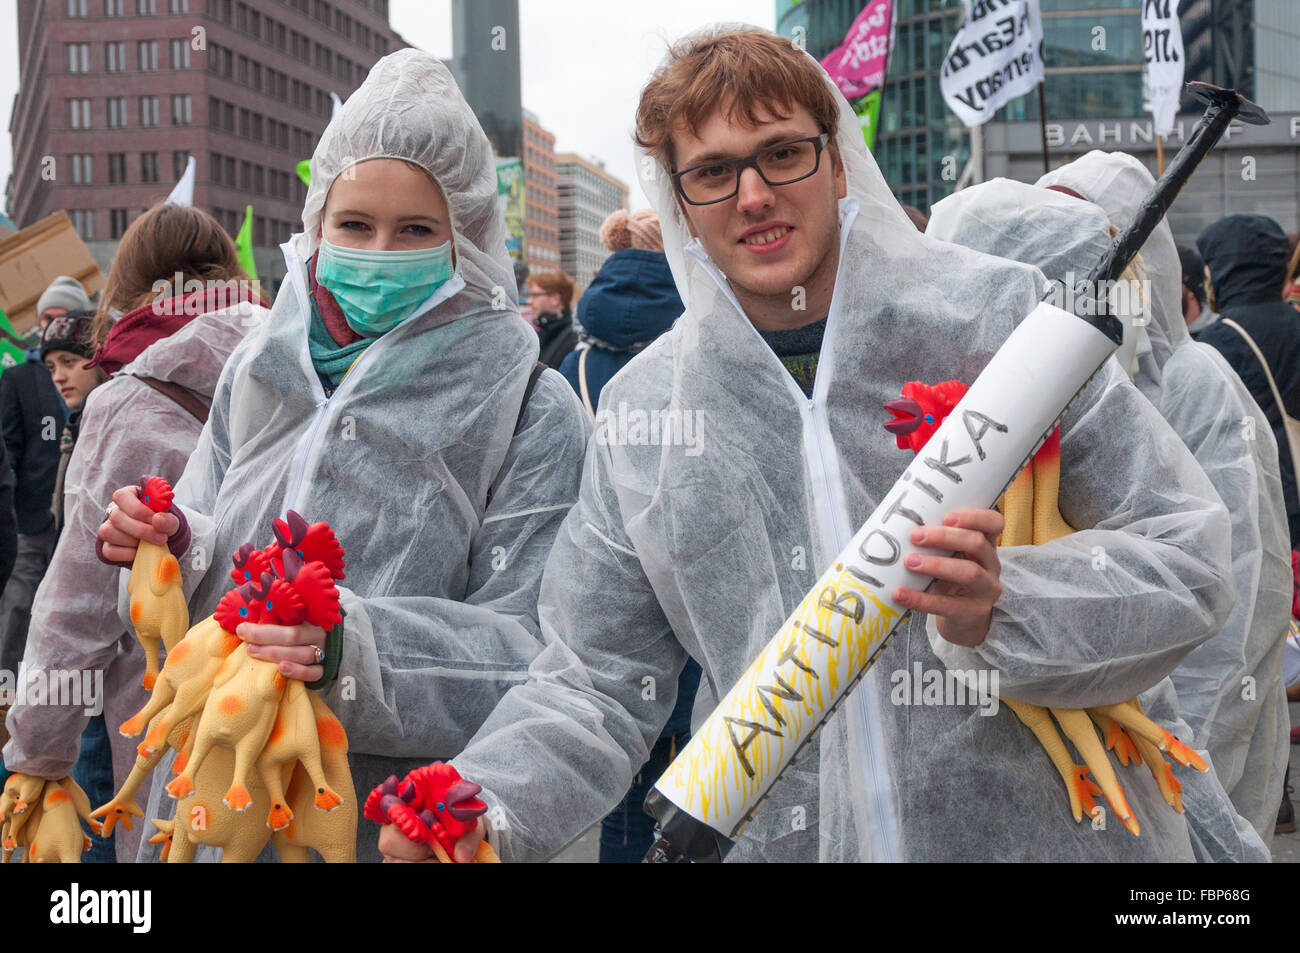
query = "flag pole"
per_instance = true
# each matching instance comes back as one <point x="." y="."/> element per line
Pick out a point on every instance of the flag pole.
<point x="1160" y="155"/>
<point x="1042" y="124"/>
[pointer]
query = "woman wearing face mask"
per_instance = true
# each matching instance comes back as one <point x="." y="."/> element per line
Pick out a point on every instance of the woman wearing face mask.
<point x="389" y="396"/>
<point x="164" y="355"/>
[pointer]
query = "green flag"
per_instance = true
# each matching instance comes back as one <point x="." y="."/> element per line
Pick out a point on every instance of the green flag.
<point x="11" y="349"/>
<point x="868" y="110"/>
<point x="244" y="244"/>
<point x="304" y="171"/>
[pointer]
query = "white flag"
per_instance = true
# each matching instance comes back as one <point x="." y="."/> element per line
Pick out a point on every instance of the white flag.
<point x="1162" y="47"/>
<point x="183" y="194"/>
<point x="996" y="56"/>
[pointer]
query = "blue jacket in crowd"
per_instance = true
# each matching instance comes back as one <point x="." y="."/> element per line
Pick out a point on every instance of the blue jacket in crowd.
<point x="631" y="301"/>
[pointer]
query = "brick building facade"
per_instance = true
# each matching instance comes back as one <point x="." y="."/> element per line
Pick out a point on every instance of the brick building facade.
<point x="114" y="95"/>
<point x="542" y="214"/>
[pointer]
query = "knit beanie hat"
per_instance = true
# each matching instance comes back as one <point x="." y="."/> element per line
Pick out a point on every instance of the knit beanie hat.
<point x="64" y="292"/>
<point x="69" y="332"/>
<point x="639" y="229"/>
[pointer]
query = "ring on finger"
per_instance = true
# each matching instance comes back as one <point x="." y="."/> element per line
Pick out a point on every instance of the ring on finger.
<point x="320" y="655"/>
<point x="110" y="510"/>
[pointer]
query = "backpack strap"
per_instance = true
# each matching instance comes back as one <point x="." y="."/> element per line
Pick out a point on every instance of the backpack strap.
<point x="533" y="377"/>
<point x="582" y="382"/>
<point x="187" y="399"/>
<point x="528" y="393"/>
<point x="1290" y="426"/>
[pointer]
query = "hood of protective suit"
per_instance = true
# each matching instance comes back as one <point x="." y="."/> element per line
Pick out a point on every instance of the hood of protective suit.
<point x="1247" y="256"/>
<point x="703" y="548"/>
<point x="1064" y="237"/>
<point x="1057" y="233"/>
<point x="1118" y="182"/>
<point x="410" y="108"/>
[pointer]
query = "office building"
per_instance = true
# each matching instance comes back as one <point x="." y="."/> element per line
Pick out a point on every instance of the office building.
<point x="115" y="95"/>
<point x="587" y="195"/>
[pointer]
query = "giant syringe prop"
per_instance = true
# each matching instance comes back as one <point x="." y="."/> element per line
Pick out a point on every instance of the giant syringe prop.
<point x="841" y="627"/>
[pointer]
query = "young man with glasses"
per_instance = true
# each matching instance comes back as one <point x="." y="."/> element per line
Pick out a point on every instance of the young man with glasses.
<point x="810" y="300"/>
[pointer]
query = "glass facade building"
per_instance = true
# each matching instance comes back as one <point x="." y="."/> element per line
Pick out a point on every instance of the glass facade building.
<point x="919" y="142"/>
<point x="1093" y="53"/>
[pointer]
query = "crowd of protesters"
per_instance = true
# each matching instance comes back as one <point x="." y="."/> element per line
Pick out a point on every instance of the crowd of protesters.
<point x="514" y="584"/>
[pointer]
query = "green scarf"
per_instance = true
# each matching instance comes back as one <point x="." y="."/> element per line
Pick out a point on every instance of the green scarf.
<point x="331" y="360"/>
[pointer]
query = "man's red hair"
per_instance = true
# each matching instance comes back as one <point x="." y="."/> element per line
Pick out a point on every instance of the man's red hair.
<point x="745" y="72"/>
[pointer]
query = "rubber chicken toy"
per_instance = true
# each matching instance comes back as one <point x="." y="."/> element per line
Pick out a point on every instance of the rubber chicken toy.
<point x="1033" y="517"/>
<point x="159" y="611"/>
<point x="259" y="757"/>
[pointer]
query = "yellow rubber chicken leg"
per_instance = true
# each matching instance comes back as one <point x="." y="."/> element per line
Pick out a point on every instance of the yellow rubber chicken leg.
<point x="1117" y="739"/>
<point x="1163" y="772"/>
<point x="164" y="836"/>
<point x="1078" y="728"/>
<point x="1080" y="788"/>
<point x="1129" y="714"/>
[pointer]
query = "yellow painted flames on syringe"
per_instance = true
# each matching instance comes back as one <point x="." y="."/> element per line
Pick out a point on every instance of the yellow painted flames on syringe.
<point x="801" y="673"/>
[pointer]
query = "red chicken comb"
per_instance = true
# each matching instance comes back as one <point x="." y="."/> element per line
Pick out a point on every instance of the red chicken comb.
<point x="920" y="411"/>
<point x="314" y="543"/>
<point x="432" y="803"/>
<point x="250" y="563"/>
<point x="315" y="587"/>
<point x="156" y="493"/>
<point x="242" y="604"/>
<point x="283" y="605"/>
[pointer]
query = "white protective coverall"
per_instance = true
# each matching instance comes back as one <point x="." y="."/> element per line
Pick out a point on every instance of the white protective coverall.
<point x="1230" y="688"/>
<point x="128" y="430"/>
<point x="1066" y="238"/>
<point x="441" y="585"/>
<point x="705" y="550"/>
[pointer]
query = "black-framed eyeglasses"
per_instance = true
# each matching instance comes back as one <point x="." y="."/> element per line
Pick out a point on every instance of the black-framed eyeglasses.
<point x="782" y="164"/>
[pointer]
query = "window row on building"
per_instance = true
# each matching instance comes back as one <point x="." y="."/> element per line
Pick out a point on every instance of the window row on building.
<point x="118" y="167"/>
<point x="250" y="124"/>
<point x="115" y="60"/>
<point x="79" y="9"/>
<point x="543" y="215"/>
<point x="113" y="223"/>
<point x="266" y="231"/>
<point x="147" y="112"/>
<point x="223" y="62"/>
<point x="252" y="22"/>
<point x="255" y="178"/>
<point x="537" y="233"/>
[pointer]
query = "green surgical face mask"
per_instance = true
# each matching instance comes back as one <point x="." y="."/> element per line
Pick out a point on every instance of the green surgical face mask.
<point x="378" y="290"/>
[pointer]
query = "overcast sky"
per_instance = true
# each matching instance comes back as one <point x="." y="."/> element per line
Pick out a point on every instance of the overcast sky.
<point x="583" y="62"/>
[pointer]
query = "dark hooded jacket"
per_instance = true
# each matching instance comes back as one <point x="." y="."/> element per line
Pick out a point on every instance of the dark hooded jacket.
<point x="8" y="522"/>
<point x="1247" y="257"/>
<point x="32" y="416"/>
<point x="631" y="301"/>
<point x="556" y="336"/>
